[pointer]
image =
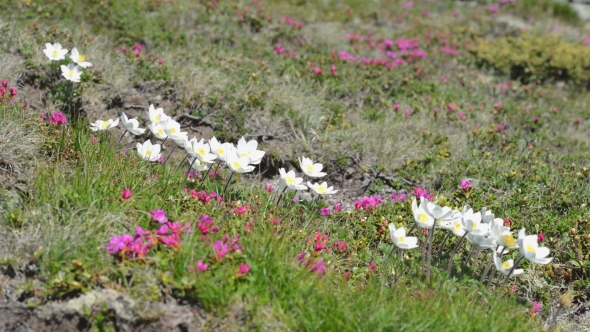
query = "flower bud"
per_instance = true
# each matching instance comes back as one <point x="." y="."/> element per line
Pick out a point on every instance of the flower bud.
<point x="5" y="84"/>
<point x="13" y="92"/>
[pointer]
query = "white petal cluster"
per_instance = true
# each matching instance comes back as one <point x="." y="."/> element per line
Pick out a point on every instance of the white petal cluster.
<point x="100" y="125"/>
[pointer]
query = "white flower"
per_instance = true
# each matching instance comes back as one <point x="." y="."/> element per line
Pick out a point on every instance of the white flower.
<point x="172" y="129"/>
<point x="436" y="212"/>
<point x="322" y="189"/>
<point x="291" y="181"/>
<point x="197" y="164"/>
<point x="55" y="52"/>
<point x="131" y="125"/>
<point x="482" y="241"/>
<point x="310" y="169"/>
<point x="399" y="238"/>
<point x="529" y="248"/>
<point x="249" y="150"/>
<point x="472" y="223"/>
<point x="505" y="267"/>
<point x="423" y="219"/>
<point x="457" y="227"/>
<point x="100" y="125"/>
<point x="149" y="152"/>
<point x="71" y="72"/>
<point x="503" y="237"/>
<point x="200" y="149"/>
<point x="157" y="115"/>
<point x="158" y="130"/>
<point x="221" y="150"/>
<point x="239" y="165"/>
<point x="79" y="59"/>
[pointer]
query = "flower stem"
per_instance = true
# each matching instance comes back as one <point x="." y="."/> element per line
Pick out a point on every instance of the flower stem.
<point x="227" y="184"/>
<point x="181" y="163"/>
<point x="169" y="155"/>
<point x="512" y="270"/>
<point x="281" y="195"/>
<point x="451" y="259"/>
<point x="485" y="272"/>
<point x="411" y="229"/>
<point x="431" y="238"/>
<point x="443" y="245"/>
<point x="492" y="277"/>
<point x="190" y="167"/>
<point x="124" y="132"/>
<point x="205" y="176"/>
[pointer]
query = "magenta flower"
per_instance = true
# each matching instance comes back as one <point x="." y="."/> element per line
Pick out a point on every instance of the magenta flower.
<point x="58" y="118"/>
<point x="399" y="197"/>
<point x="118" y="244"/>
<point x="501" y="128"/>
<point x="373" y="267"/>
<point x="536" y="307"/>
<point x="159" y="216"/>
<point x="202" y="267"/>
<point x="462" y="116"/>
<point x="5" y="84"/>
<point x="242" y="210"/>
<point x="396" y="107"/>
<point x="220" y="250"/>
<point x="243" y="271"/>
<point x="423" y="193"/>
<point x="541" y="238"/>
<point x="269" y="188"/>
<point x="452" y="108"/>
<point x="325" y="212"/>
<point x="127" y="194"/>
<point x="13" y="92"/>
<point x="320" y="268"/>
<point x="465" y="184"/>
<point x="341" y="246"/>
<point x="333" y="70"/>
<point x="338" y="208"/>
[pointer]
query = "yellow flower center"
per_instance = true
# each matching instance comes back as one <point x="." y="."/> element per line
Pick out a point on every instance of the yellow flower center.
<point x="148" y="153"/>
<point x="423" y="218"/>
<point x="401" y="239"/>
<point x="457" y="227"/>
<point x="506" y="265"/>
<point x="322" y="190"/>
<point x="310" y="168"/>
<point x="105" y="124"/>
<point x="81" y="58"/>
<point x="237" y="165"/>
<point x="202" y="153"/>
<point x="290" y="181"/>
<point x="158" y="117"/>
<point x="221" y="152"/>
<point x="161" y="132"/>
<point x="55" y="54"/>
<point x="172" y="131"/>
<point x="71" y="73"/>
<point x="509" y="240"/>
<point x="530" y="248"/>
<point x="475" y="226"/>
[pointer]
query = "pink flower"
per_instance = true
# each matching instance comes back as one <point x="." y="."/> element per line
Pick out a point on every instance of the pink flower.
<point x="220" y="250"/>
<point x="320" y="268"/>
<point x="541" y="238"/>
<point x="58" y="118"/>
<point x="452" y="108"/>
<point x="159" y="216"/>
<point x="408" y="5"/>
<point x="462" y="116"/>
<point x="399" y="198"/>
<point x="13" y="92"/>
<point x="243" y="271"/>
<point x="242" y="210"/>
<point x="127" y="194"/>
<point x="501" y="128"/>
<point x="449" y="51"/>
<point x="318" y="71"/>
<point x="118" y="244"/>
<point x="269" y="188"/>
<point x="536" y="307"/>
<point x="408" y="112"/>
<point x="341" y="246"/>
<point x="494" y="9"/>
<point x="422" y="193"/>
<point x="325" y="212"/>
<point x="465" y="184"/>
<point x="333" y="70"/>
<point x="396" y="107"/>
<point x="373" y="267"/>
<point x="537" y="118"/>
<point x="338" y="208"/>
<point x="514" y="288"/>
<point x="202" y="267"/>
<point x="5" y="84"/>
<point x="507" y="223"/>
<point x="347" y="275"/>
<point x="319" y="247"/>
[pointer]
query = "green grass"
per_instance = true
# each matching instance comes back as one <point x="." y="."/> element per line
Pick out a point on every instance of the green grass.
<point x="219" y="67"/>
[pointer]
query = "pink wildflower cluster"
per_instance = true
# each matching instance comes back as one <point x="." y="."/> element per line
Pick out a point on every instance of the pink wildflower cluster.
<point x="203" y="197"/>
<point x="318" y="268"/>
<point x="58" y="118"/>
<point x="289" y="21"/>
<point x="227" y="246"/>
<point x="397" y="53"/>
<point x="280" y="50"/>
<point x="399" y="197"/>
<point x="242" y="210"/>
<point x="136" y="51"/>
<point x="7" y="95"/>
<point x="319" y="243"/>
<point x="423" y="193"/>
<point x="205" y="225"/>
<point x="368" y="203"/>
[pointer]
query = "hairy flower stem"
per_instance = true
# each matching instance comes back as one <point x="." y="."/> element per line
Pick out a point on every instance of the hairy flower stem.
<point x="181" y="162"/>
<point x="164" y="141"/>
<point x="431" y="241"/>
<point x="205" y="176"/>
<point x="169" y="154"/>
<point x="442" y="246"/>
<point x="474" y="265"/>
<point x="281" y="195"/>
<point x="411" y="229"/>
<point x="485" y="272"/>
<point x="125" y="132"/>
<point x="451" y="259"/>
<point x="227" y="184"/>
<point x="512" y="270"/>
<point x="189" y="168"/>
<point x="492" y="277"/>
